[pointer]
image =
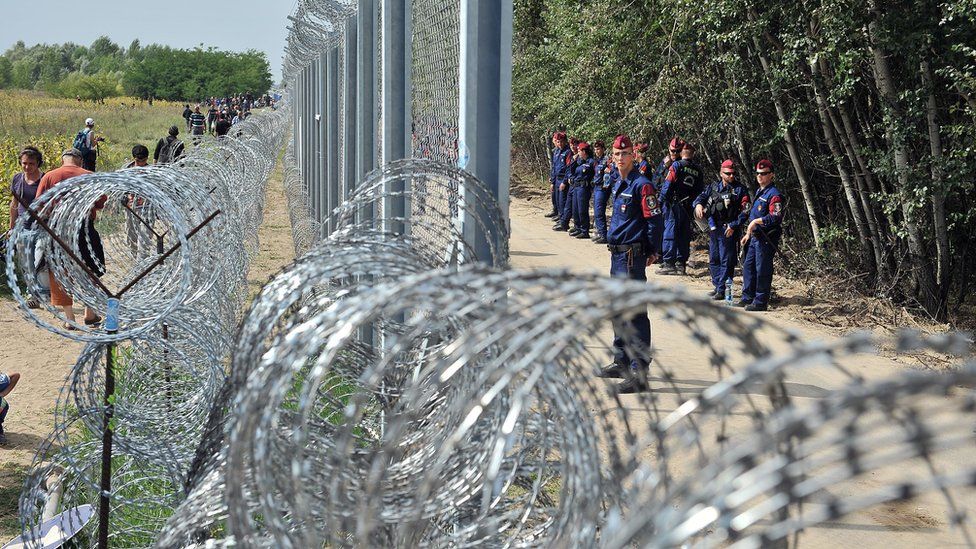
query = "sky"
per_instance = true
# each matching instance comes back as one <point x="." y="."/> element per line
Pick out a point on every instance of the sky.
<point x="230" y="26"/>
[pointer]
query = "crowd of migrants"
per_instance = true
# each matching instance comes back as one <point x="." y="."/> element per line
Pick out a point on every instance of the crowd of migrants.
<point x="651" y="211"/>
<point x="81" y="158"/>
<point x="223" y="112"/>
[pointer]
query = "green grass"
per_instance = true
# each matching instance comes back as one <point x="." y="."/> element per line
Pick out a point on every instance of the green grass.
<point x="11" y="481"/>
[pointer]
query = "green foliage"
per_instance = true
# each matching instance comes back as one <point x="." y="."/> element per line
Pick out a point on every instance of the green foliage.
<point x="105" y="69"/>
<point x="712" y="71"/>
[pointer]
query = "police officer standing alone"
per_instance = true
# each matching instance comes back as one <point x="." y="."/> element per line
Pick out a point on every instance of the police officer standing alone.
<point x="725" y="204"/>
<point x="631" y="237"/>
<point x="762" y="236"/>
<point x="682" y="184"/>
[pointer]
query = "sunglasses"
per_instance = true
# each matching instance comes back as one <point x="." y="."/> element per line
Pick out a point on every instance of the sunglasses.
<point x="760" y="174"/>
<point x="728" y="173"/>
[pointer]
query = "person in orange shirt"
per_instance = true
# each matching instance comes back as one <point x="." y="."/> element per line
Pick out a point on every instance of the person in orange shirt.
<point x="71" y="161"/>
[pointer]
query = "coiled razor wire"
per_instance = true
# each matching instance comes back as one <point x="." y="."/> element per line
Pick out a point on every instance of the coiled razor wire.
<point x="189" y="230"/>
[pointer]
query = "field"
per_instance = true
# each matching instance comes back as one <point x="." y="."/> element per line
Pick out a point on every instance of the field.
<point x="34" y="118"/>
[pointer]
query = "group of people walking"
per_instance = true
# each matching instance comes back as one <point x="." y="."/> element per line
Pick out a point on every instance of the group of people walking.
<point x="651" y="211"/>
<point x="221" y="114"/>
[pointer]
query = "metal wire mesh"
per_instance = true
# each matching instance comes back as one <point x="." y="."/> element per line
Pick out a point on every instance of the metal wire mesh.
<point x="435" y="25"/>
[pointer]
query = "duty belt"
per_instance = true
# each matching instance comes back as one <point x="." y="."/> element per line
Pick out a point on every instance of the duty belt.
<point x="623" y="248"/>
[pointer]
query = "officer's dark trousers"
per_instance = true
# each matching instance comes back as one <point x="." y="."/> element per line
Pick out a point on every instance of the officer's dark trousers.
<point x="568" y="202"/>
<point x="555" y="196"/>
<point x="600" y="196"/>
<point x="581" y="207"/>
<point x="723" y="253"/>
<point x="757" y="270"/>
<point x="561" y="200"/>
<point x="631" y="336"/>
<point x="665" y="212"/>
<point x="677" y="235"/>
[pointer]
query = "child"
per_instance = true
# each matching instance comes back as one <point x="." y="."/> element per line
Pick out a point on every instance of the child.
<point x="7" y="384"/>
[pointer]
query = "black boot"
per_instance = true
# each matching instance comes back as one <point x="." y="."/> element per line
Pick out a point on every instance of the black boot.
<point x="614" y="370"/>
<point x="681" y="269"/>
<point x="636" y="382"/>
<point x="665" y="269"/>
<point x="552" y="214"/>
<point x="560" y="227"/>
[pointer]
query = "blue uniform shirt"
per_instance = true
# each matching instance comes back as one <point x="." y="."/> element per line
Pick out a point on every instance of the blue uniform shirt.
<point x="725" y="205"/>
<point x="636" y="212"/>
<point x="683" y="182"/>
<point x="561" y="159"/>
<point x="768" y="205"/>
<point x="599" y="165"/>
<point x="582" y="171"/>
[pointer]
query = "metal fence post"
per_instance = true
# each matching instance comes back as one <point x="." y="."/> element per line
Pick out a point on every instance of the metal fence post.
<point x="332" y="129"/>
<point x="484" y="122"/>
<point x="397" y="111"/>
<point x="351" y="104"/>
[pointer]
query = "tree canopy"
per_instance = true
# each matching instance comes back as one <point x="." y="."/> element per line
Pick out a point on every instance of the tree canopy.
<point x="868" y="110"/>
<point x="105" y="69"/>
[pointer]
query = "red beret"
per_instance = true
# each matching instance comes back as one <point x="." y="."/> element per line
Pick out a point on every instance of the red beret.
<point x="728" y="165"/>
<point x="764" y="165"/>
<point x="622" y="142"/>
<point x="558" y="135"/>
<point x="676" y="144"/>
<point x="600" y="144"/>
<point x="687" y="146"/>
<point x="641" y="147"/>
<point x="583" y="145"/>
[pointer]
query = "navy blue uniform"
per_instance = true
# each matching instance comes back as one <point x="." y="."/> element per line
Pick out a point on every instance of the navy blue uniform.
<point x="757" y="270"/>
<point x="658" y="181"/>
<point x="582" y="189"/>
<point x="726" y="207"/>
<point x="682" y="184"/>
<point x="602" y="183"/>
<point x="561" y="159"/>
<point x="633" y="230"/>
<point x="569" y="194"/>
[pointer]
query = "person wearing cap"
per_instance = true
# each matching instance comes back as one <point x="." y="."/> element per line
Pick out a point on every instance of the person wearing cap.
<point x="630" y="238"/>
<point x="168" y="148"/>
<point x="762" y="236"/>
<point x="71" y="160"/>
<point x="562" y="186"/>
<point x="582" y="182"/>
<point x="561" y="158"/>
<point x="640" y="159"/>
<point x="682" y="184"/>
<point x="601" y="190"/>
<point x="569" y="190"/>
<point x="89" y="145"/>
<point x="673" y="155"/>
<point x="725" y="204"/>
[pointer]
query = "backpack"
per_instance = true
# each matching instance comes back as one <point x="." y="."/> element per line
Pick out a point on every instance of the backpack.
<point x="81" y="142"/>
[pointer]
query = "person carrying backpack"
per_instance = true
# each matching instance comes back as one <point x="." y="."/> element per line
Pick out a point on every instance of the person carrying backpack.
<point x="86" y="142"/>
<point x="169" y="148"/>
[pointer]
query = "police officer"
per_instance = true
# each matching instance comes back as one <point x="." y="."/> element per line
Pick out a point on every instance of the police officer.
<point x="762" y="236"/>
<point x="583" y="188"/>
<point x="682" y="184"/>
<point x="568" y="192"/>
<point x="631" y="237"/>
<point x="640" y="159"/>
<point x="561" y="158"/>
<point x="603" y="167"/>
<point x="673" y="154"/>
<point x="725" y="204"/>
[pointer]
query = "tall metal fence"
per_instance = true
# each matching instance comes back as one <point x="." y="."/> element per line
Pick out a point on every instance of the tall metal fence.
<point x="372" y="82"/>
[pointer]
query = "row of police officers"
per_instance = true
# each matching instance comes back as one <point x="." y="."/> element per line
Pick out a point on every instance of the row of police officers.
<point x="651" y="211"/>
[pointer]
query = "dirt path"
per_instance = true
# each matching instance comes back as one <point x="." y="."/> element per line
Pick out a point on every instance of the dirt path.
<point x="919" y="522"/>
<point x="44" y="359"/>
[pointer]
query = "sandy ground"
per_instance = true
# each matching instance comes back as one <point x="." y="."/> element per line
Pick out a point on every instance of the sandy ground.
<point x="44" y="359"/>
<point x="919" y="522"/>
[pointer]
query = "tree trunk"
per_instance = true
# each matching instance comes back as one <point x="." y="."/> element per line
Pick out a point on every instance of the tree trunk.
<point x="938" y="184"/>
<point x="806" y="188"/>
<point x="869" y="250"/>
<point x="928" y="294"/>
